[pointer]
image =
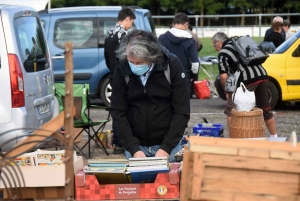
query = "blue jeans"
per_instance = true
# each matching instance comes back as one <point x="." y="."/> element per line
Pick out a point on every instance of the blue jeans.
<point x="150" y="151"/>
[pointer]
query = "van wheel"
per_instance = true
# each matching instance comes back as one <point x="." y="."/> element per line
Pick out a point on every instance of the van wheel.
<point x="105" y="91"/>
<point x="273" y="94"/>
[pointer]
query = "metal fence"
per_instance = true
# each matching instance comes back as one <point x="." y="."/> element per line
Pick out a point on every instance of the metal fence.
<point x="256" y="29"/>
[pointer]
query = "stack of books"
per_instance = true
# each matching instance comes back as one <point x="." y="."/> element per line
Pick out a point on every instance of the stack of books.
<point x="122" y="171"/>
<point x="108" y="171"/>
<point x="145" y="170"/>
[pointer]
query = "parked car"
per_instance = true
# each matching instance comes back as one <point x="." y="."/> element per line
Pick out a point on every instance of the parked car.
<point x="27" y="94"/>
<point x="86" y="28"/>
<point x="283" y="67"/>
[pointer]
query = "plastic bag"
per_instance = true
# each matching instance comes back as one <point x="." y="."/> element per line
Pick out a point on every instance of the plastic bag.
<point x="231" y="82"/>
<point x="201" y="89"/>
<point x="243" y="99"/>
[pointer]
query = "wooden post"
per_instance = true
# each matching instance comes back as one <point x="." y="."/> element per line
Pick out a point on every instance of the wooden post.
<point x="69" y="123"/>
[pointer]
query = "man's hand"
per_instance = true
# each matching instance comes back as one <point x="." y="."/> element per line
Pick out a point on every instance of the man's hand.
<point x="161" y="153"/>
<point x="227" y="95"/>
<point x="139" y="154"/>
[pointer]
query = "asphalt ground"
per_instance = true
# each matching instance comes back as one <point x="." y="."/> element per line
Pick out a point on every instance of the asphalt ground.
<point x="287" y="117"/>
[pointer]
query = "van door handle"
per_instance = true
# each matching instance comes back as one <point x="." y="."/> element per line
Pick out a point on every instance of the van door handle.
<point x="58" y="57"/>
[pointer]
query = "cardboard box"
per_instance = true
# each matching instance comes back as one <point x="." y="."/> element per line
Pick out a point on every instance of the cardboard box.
<point x="38" y="182"/>
<point x="222" y="169"/>
<point x="162" y="188"/>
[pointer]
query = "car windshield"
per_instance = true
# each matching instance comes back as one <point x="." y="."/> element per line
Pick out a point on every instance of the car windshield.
<point x="151" y="23"/>
<point x="31" y="44"/>
<point x="286" y="44"/>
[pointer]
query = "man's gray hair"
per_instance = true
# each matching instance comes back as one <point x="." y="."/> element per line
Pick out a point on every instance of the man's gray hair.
<point x="140" y="45"/>
<point x="278" y="19"/>
<point x="219" y="36"/>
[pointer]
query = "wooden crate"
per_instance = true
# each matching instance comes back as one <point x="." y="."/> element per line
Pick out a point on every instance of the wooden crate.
<point x="220" y="169"/>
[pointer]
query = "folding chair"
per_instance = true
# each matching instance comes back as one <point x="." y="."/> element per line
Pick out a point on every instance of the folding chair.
<point x="82" y="117"/>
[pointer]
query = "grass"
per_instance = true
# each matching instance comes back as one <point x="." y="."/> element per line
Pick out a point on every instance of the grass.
<point x="209" y="50"/>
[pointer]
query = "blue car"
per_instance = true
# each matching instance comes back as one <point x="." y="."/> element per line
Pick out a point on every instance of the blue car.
<point x="86" y="28"/>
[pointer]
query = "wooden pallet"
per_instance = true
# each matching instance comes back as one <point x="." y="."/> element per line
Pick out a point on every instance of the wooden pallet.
<point x="220" y="169"/>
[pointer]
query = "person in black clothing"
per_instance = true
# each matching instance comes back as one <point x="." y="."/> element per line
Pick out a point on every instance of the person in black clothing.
<point x="268" y="31"/>
<point x="194" y="77"/>
<point x="151" y="111"/>
<point x="181" y="43"/>
<point x="125" y="20"/>
<point x="254" y="77"/>
<point x="275" y="36"/>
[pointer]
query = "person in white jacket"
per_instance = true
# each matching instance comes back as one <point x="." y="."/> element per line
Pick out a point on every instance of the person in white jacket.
<point x="286" y="26"/>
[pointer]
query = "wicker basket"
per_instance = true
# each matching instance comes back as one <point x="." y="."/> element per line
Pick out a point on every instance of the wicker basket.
<point x="247" y="124"/>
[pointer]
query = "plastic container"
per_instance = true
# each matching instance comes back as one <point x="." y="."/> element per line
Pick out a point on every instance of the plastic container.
<point x="209" y="129"/>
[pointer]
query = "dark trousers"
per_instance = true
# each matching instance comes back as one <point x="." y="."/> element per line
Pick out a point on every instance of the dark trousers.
<point x="116" y="140"/>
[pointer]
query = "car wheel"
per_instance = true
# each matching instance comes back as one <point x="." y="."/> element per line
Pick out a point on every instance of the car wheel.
<point x="105" y="91"/>
<point x="273" y="94"/>
<point x="219" y="88"/>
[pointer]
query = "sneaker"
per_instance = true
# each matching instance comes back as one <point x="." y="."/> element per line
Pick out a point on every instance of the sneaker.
<point x="118" y="150"/>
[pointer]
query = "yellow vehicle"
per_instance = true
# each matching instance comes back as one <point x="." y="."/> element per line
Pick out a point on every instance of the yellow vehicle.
<point x="283" y="67"/>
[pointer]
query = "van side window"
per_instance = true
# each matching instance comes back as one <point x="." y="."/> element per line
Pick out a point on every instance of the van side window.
<point x="105" y="24"/>
<point x="82" y="32"/>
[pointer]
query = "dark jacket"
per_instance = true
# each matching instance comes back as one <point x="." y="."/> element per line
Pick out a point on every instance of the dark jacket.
<point x="274" y="37"/>
<point x="183" y="48"/>
<point x="156" y="114"/>
<point x="111" y="43"/>
<point x="270" y="31"/>
<point x="228" y="63"/>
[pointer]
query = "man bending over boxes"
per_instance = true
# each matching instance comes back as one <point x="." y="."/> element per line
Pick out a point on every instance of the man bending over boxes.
<point x="150" y="100"/>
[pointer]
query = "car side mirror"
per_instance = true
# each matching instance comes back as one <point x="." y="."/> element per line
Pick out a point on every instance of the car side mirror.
<point x="296" y="53"/>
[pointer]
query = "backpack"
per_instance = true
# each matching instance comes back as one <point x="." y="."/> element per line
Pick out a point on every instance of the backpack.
<point x="249" y="52"/>
<point x="167" y="74"/>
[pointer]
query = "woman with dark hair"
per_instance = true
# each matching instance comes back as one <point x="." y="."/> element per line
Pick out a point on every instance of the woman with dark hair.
<point x="275" y="36"/>
<point x="151" y="111"/>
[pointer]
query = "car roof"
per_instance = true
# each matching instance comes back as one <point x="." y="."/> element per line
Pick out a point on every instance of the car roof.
<point x="16" y="7"/>
<point x="91" y="8"/>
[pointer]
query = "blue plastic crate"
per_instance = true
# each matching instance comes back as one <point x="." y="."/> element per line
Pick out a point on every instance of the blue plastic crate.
<point x="208" y="129"/>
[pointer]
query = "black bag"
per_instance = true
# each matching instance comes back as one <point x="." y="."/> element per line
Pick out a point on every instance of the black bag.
<point x="249" y="52"/>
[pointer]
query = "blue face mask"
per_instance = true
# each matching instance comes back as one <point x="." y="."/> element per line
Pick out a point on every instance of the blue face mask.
<point x="138" y="69"/>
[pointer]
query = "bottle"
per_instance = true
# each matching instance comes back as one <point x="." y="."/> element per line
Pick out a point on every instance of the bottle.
<point x="109" y="139"/>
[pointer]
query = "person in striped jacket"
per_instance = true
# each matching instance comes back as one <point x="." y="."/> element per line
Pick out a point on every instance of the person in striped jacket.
<point x="254" y="77"/>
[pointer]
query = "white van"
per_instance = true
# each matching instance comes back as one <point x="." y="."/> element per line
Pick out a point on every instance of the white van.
<point x="26" y="74"/>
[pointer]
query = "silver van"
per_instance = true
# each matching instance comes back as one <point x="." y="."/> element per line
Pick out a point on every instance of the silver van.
<point x="27" y="94"/>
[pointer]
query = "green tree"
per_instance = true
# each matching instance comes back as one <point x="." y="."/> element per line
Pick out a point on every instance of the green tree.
<point x="291" y="4"/>
<point x="210" y="6"/>
<point x="58" y="3"/>
<point x="243" y="5"/>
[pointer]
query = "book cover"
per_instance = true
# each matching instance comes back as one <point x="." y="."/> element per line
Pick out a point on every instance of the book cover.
<point x="147" y="176"/>
<point x="106" y="169"/>
<point x="111" y="178"/>
<point x="26" y="159"/>
<point x="103" y="161"/>
<point x="50" y="157"/>
<point x="107" y="164"/>
<point x="146" y="168"/>
<point x="147" y="163"/>
<point x="148" y="158"/>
